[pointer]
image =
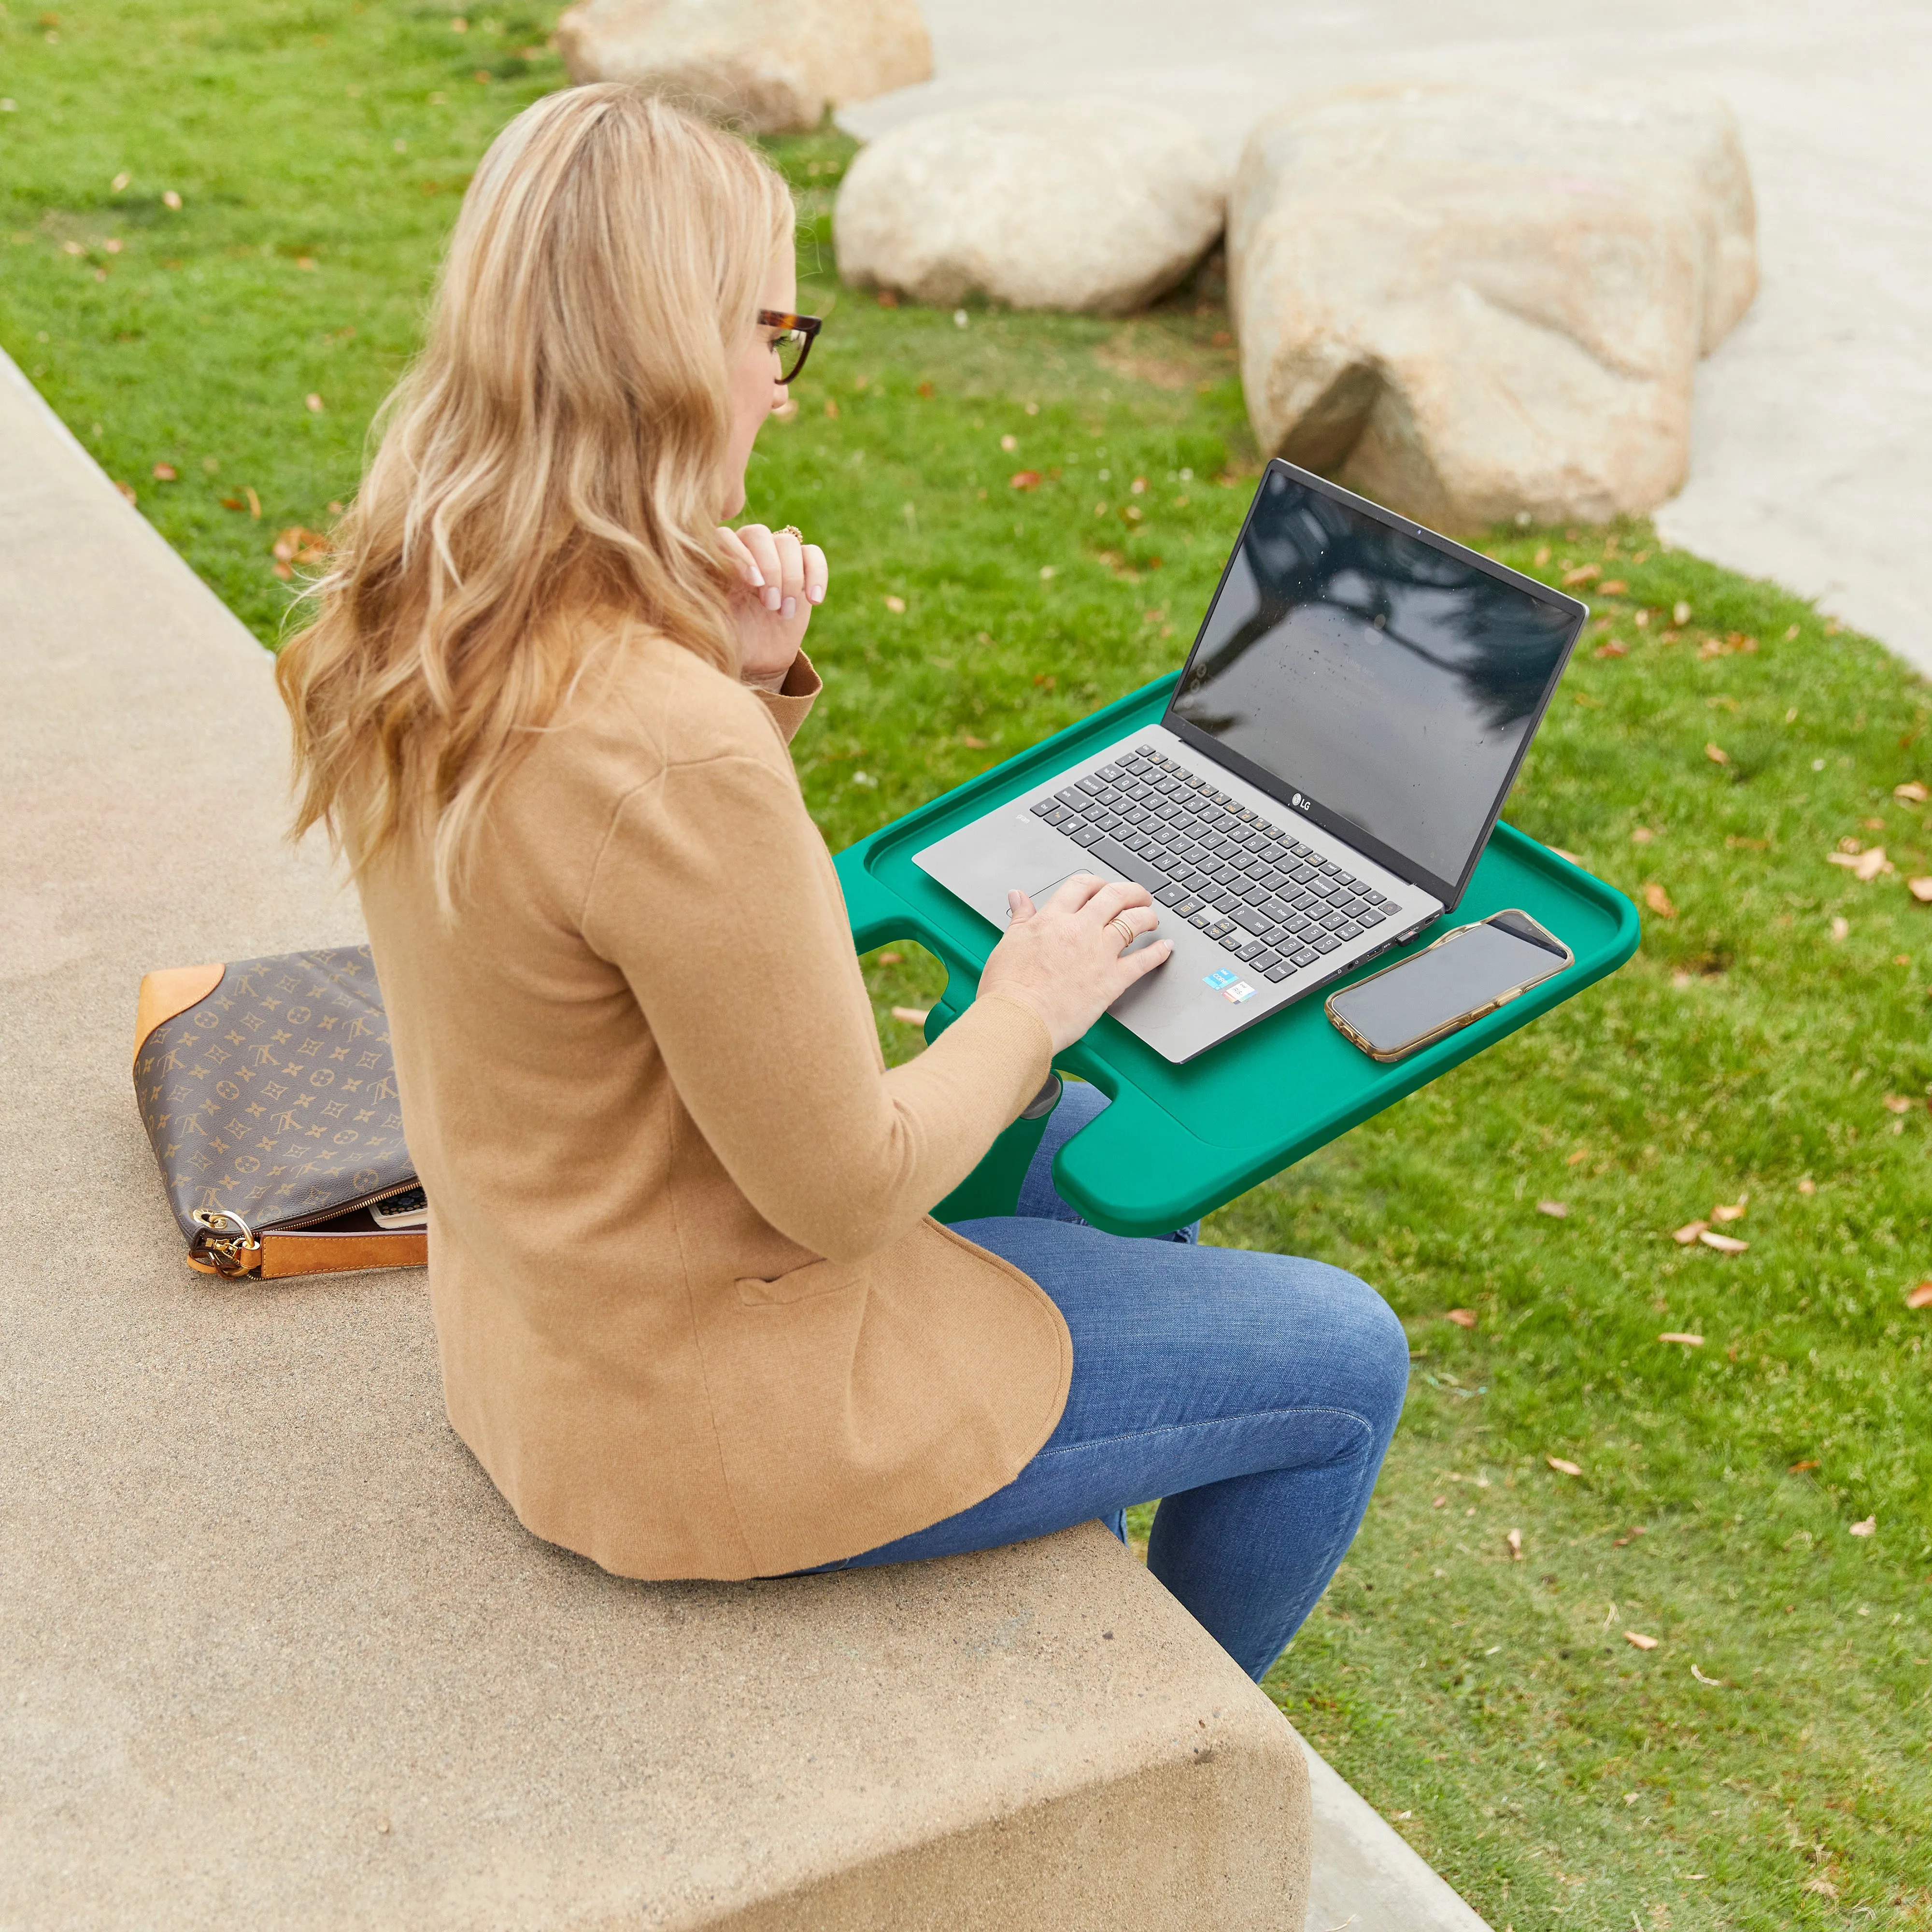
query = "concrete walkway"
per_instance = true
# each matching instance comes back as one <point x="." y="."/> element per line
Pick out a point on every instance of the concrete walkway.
<point x="1812" y="461"/>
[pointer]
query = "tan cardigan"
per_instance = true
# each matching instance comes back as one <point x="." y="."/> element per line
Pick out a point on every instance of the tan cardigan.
<point x="693" y="1318"/>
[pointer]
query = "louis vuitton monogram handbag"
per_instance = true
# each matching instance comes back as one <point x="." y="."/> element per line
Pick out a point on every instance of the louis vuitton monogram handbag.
<point x="268" y="1087"/>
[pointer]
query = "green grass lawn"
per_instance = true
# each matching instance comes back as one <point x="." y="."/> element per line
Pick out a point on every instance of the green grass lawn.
<point x="1766" y="1764"/>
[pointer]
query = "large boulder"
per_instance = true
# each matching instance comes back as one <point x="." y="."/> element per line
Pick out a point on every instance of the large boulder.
<point x="773" y="66"/>
<point x="1084" y="204"/>
<point x="1477" y="305"/>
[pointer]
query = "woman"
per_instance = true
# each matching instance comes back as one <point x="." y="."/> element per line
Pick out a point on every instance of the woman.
<point x="694" y="1319"/>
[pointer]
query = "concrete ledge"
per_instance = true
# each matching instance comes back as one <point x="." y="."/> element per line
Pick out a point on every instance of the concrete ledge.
<point x="1367" y="1876"/>
<point x="276" y="1653"/>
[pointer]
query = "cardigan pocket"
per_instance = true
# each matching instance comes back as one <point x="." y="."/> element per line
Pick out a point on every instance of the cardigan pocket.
<point x="799" y="1284"/>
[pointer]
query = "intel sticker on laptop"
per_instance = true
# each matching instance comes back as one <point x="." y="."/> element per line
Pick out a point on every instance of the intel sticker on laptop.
<point x="1230" y="986"/>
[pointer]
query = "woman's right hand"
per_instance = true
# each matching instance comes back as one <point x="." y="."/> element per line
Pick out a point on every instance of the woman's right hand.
<point x="1067" y="960"/>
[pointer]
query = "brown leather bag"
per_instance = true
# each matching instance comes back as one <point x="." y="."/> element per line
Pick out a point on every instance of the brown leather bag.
<point x="268" y="1087"/>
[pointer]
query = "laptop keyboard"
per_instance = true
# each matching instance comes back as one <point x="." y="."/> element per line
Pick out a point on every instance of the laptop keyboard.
<point x="1269" y="900"/>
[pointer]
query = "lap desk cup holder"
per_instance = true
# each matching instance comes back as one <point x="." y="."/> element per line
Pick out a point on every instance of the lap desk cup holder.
<point x="1180" y="1140"/>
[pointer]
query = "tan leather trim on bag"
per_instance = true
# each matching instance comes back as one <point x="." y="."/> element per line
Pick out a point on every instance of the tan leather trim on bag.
<point x="298" y="1251"/>
<point x="169" y="992"/>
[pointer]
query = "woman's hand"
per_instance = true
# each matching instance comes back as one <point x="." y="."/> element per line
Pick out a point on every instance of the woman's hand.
<point x="780" y="580"/>
<point x="1068" y="960"/>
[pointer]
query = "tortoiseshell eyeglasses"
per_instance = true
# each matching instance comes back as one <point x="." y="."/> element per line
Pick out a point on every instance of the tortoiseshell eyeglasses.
<point x="793" y="343"/>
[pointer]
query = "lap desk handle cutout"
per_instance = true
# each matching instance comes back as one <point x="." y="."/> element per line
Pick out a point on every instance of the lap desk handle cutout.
<point x="1198" y="1117"/>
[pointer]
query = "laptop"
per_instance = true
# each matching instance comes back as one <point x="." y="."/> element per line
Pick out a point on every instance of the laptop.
<point x="1350" y="720"/>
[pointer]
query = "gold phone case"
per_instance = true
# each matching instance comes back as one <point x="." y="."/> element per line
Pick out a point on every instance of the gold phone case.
<point x="1388" y="1055"/>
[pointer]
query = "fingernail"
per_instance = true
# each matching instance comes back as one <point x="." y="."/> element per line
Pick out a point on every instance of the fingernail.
<point x="817" y="593"/>
<point x="790" y="605"/>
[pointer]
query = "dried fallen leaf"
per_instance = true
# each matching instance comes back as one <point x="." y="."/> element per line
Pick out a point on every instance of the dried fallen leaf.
<point x="1440" y="1502"/>
<point x="1557" y="1210"/>
<point x="1799" y="1468"/>
<point x="122" y="180"/>
<point x="891" y="959"/>
<point x="1868" y="1528"/>
<point x="911" y="1015"/>
<point x="1898" y="1103"/>
<point x="1614" y="648"/>
<point x="171" y="200"/>
<point x="832" y="408"/>
<point x="126" y="489"/>
<point x="1921" y="890"/>
<point x="1717" y="755"/>
<point x="1024" y="479"/>
<point x="165" y="472"/>
<point x="1912" y="791"/>
<point x="1725" y="1244"/>
<point x="1920" y="1297"/>
<point x="1689" y="1232"/>
<point x="1637" y="1640"/>
<point x="1678" y="1335"/>
<point x="313" y="403"/>
<point x="1466" y="1318"/>
<point x="1658" y="900"/>
<point x="1010" y="444"/>
<point x="1806" y="1185"/>
<point x="297" y="545"/>
<point x="1841" y="931"/>
<point x="1641" y="835"/>
<point x="1730" y="1210"/>
<point x="1581" y="574"/>
<point x="896" y="605"/>
<point x="1577" y="1159"/>
<point x="1562" y="1467"/>
<point x="1514" y="1540"/>
<point x="976" y="744"/>
<point x="1680" y="614"/>
<point x="254" y="502"/>
<point x="1823" y="1887"/>
<point x="1613" y="587"/>
<point x="1870" y="864"/>
<point x="1715" y="1683"/>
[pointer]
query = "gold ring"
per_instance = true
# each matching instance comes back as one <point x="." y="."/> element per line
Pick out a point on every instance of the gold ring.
<point x="1118" y="923"/>
<point x="793" y="531"/>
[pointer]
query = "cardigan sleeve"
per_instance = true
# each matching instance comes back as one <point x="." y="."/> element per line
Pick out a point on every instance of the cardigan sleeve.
<point x="715" y="897"/>
<point x="791" y="703"/>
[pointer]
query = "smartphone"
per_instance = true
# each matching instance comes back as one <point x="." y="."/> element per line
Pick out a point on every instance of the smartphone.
<point x="409" y="1209"/>
<point x="1465" y="974"/>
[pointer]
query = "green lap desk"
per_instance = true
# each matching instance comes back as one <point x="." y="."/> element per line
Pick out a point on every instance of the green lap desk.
<point x="1178" y="1141"/>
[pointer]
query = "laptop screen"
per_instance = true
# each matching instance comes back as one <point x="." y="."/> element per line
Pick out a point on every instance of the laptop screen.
<point x="1388" y="683"/>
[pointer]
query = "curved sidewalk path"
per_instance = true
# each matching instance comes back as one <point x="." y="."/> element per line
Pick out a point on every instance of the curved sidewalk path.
<point x="1812" y="460"/>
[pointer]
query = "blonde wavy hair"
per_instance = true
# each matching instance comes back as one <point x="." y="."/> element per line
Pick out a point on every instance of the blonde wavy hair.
<point x="547" y="473"/>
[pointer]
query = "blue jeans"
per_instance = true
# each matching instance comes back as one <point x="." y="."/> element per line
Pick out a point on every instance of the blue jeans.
<point x="1255" y="1393"/>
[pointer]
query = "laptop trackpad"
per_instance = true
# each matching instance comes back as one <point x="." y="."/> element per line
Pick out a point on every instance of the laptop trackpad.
<point x="1039" y="894"/>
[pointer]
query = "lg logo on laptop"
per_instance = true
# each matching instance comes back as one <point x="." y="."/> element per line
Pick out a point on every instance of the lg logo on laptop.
<point x="1298" y="801"/>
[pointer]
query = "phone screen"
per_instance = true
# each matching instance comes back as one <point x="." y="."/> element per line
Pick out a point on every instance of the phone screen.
<point x="1462" y="976"/>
